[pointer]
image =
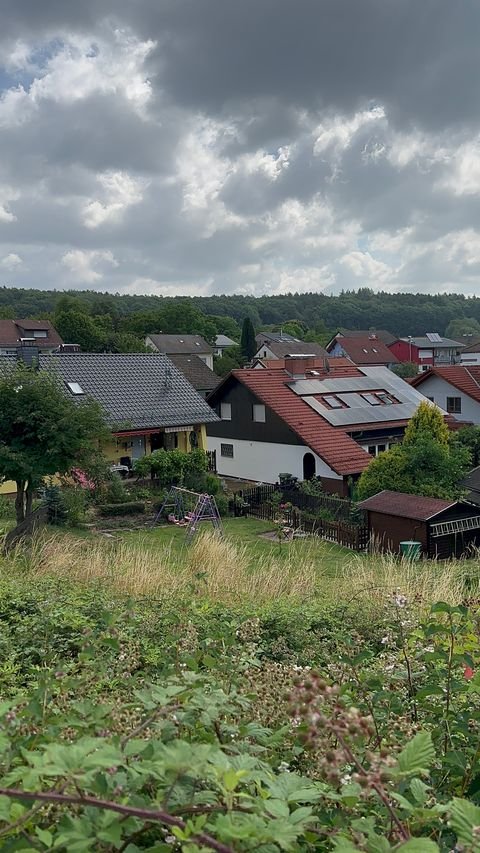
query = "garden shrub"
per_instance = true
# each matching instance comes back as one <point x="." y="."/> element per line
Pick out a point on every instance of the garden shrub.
<point x="126" y="508"/>
<point x="376" y="751"/>
<point x="115" y="492"/>
<point x="7" y="508"/>
<point x="75" y="500"/>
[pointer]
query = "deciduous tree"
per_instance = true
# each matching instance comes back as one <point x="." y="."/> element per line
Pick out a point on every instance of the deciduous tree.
<point x="43" y="431"/>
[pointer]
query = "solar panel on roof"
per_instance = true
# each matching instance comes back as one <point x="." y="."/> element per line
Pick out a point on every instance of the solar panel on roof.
<point x="434" y="337"/>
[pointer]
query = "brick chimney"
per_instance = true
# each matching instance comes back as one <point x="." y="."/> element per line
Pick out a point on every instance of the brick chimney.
<point x="297" y="365"/>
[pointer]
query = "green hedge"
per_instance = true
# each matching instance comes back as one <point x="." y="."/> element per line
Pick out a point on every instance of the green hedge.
<point x="127" y="508"/>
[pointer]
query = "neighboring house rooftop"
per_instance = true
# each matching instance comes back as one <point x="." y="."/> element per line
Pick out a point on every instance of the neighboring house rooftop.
<point x="196" y="371"/>
<point x="12" y="331"/>
<point x="432" y="340"/>
<point x="471" y="482"/>
<point x="294" y="347"/>
<point x="323" y="409"/>
<point x="278" y="337"/>
<point x="403" y="505"/>
<point x="472" y="347"/>
<point x="366" y="350"/>
<point x="464" y="378"/>
<point x="137" y="391"/>
<point x="317" y="363"/>
<point x="224" y="341"/>
<point x="180" y="343"/>
<point x="379" y="334"/>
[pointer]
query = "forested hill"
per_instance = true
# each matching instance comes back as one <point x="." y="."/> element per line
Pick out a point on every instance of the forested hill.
<point x="401" y="313"/>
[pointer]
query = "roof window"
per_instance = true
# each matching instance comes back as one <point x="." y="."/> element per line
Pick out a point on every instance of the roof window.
<point x="75" y="388"/>
<point x="385" y="399"/>
<point x="374" y="350"/>
<point x="333" y="402"/>
<point x="365" y="350"/>
<point x="372" y="399"/>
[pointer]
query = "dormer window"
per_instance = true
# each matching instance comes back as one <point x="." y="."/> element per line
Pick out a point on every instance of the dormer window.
<point x="40" y="333"/>
<point x="75" y="388"/>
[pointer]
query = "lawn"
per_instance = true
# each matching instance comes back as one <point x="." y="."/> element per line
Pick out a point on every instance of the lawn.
<point x="248" y="532"/>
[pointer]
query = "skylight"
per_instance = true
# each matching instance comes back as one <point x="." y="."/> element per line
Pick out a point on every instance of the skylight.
<point x="333" y="402"/>
<point x="75" y="388"/>
<point x="372" y="399"/>
<point x="385" y="398"/>
<point x="374" y="350"/>
<point x="365" y="350"/>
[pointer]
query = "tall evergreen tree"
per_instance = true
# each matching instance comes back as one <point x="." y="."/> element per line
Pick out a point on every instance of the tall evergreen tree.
<point x="248" y="344"/>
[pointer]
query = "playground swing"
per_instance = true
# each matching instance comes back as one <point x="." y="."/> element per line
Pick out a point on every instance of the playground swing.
<point x="190" y="509"/>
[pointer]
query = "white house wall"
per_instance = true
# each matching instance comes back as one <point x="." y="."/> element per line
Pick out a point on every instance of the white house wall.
<point x="265" y="352"/>
<point x="470" y="358"/>
<point x="263" y="462"/>
<point x="440" y="389"/>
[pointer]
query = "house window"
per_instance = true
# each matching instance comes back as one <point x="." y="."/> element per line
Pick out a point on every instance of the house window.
<point x="226" y="411"/>
<point x="432" y="399"/>
<point x="259" y="413"/>
<point x="39" y="333"/>
<point x="372" y="449"/>
<point x="75" y="388"/>
<point x="226" y="450"/>
<point x="381" y="448"/>
<point x="454" y="405"/>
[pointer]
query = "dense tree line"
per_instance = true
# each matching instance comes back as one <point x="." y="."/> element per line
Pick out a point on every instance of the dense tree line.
<point x="120" y="322"/>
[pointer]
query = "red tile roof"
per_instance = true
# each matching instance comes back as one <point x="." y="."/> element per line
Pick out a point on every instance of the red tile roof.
<point x="332" y="444"/>
<point x="466" y="379"/>
<point x="12" y="330"/>
<point x="366" y="350"/>
<point x="405" y="505"/>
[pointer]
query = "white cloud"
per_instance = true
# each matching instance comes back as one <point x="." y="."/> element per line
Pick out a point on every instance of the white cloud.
<point x="79" y="68"/>
<point x="364" y="266"/>
<point x="11" y="262"/>
<point x="81" y="264"/>
<point x="120" y="191"/>
<point x="338" y="132"/>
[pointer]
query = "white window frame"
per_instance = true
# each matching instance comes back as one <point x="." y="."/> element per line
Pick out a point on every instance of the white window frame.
<point x="259" y="413"/>
<point x="226" y="411"/>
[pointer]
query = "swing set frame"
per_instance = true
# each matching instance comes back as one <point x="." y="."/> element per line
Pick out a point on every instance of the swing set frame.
<point x="204" y="510"/>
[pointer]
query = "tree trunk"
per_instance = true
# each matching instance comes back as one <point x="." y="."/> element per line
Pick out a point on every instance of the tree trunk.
<point x="29" y="500"/>
<point x="20" y="501"/>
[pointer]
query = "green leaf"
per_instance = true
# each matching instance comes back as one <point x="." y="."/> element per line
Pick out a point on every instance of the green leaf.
<point x="419" y="791"/>
<point x="464" y="818"/>
<point x="418" y="845"/>
<point x="417" y="756"/>
<point x="45" y="836"/>
<point x="5" y="805"/>
<point x="441" y="607"/>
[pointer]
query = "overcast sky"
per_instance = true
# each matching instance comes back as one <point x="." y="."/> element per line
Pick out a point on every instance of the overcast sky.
<point x="250" y="146"/>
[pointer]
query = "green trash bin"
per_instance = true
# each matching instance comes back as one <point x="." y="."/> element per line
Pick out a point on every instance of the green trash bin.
<point x="410" y="549"/>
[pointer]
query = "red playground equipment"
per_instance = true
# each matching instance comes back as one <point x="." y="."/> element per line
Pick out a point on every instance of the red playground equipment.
<point x="190" y="510"/>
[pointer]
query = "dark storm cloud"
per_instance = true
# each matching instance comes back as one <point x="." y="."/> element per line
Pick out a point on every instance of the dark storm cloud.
<point x="249" y="143"/>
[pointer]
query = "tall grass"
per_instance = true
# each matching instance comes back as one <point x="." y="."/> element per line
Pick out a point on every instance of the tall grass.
<point x="230" y="572"/>
<point x="217" y="568"/>
<point x="377" y="579"/>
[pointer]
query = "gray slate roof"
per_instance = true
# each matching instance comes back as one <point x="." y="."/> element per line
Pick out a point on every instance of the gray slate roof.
<point x="137" y="391"/>
<point x="181" y="343"/>
<point x="425" y="343"/>
<point x="294" y="348"/>
<point x="196" y="371"/>
<point x="224" y="341"/>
